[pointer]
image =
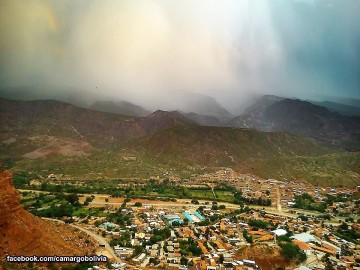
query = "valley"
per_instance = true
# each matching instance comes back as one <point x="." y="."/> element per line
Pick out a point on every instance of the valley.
<point x="150" y="224"/>
<point x="180" y="135"/>
<point x="164" y="190"/>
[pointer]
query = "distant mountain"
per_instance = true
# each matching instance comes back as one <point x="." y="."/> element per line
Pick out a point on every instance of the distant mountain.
<point x="120" y="107"/>
<point x="45" y="136"/>
<point x="339" y="108"/>
<point x="261" y="104"/>
<point x="197" y="108"/>
<point x="55" y="118"/>
<point x="353" y="102"/>
<point x="303" y="118"/>
<point x="200" y="105"/>
<point x="70" y="95"/>
<point x="182" y="101"/>
<point x="203" y="120"/>
<point x="43" y="126"/>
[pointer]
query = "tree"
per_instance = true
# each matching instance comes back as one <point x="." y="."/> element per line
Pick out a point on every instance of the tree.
<point x="193" y="201"/>
<point x="343" y="226"/>
<point x="247" y="237"/>
<point x="22" y="179"/>
<point x="138" y="204"/>
<point x="183" y="261"/>
<point x="195" y="250"/>
<point x="258" y="223"/>
<point x="349" y="219"/>
<point x="153" y="261"/>
<point x="204" y="222"/>
<point x="283" y="238"/>
<point x="303" y="217"/>
<point x="97" y="223"/>
<point x="175" y="224"/>
<point x="72" y="198"/>
<point x="292" y="252"/>
<point x="85" y="221"/>
<point x="138" y="249"/>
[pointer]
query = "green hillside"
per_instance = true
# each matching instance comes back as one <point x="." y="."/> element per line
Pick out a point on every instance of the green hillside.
<point x="219" y="146"/>
<point x="181" y="151"/>
<point x="47" y="137"/>
<point x="337" y="169"/>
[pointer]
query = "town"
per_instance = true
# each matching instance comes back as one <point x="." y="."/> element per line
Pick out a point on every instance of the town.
<point x="225" y="220"/>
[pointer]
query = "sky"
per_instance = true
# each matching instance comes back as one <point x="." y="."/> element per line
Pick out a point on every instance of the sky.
<point x="151" y="52"/>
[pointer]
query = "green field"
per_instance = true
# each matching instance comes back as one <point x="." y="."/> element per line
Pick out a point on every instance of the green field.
<point x="224" y="196"/>
<point x="202" y="194"/>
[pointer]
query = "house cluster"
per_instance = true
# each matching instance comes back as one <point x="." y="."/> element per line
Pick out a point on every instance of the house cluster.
<point x="197" y="236"/>
<point x="189" y="245"/>
<point x="279" y="192"/>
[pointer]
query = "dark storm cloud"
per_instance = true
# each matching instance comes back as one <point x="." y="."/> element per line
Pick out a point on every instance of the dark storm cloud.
<point x="151" y="52"/>
<point x="322" y="46"/>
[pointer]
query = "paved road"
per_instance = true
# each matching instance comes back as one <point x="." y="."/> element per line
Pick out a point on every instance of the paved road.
<point x="98" y="238"/>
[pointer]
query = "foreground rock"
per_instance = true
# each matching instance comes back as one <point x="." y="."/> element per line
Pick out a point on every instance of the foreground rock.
<point x="22" y="233"/>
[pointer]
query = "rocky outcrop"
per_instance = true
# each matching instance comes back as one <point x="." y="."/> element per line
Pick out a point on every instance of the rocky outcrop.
<point x="9" y="197"/>
<point x="22" y="233"/>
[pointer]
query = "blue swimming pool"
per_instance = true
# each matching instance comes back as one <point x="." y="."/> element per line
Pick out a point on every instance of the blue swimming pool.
<point x="199" y="216"/>
<point x="187" y="215"/>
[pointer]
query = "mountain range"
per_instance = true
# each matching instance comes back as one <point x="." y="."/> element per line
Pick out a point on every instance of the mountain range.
<point x="45" y="136"/>
<point x="340" y="108"/>
<point x="199" y="107"/>
<point x="303" y="118"/>
<point x="120" y="107"/>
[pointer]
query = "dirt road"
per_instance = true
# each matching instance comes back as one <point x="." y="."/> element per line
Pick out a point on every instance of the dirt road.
<point x="98" y="238"/>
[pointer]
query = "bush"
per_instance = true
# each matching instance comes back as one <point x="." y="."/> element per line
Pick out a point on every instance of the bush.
<point x="258" y="223"/>
<point x="283" y="238"/>
<point x="72" y="198"/>
<point x="193" y="201"/>
<point x="292" y="252"/>
<point x="247" y="237"/>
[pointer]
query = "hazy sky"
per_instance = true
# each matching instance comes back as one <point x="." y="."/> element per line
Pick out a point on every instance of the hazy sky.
<point x="152" y="51"/>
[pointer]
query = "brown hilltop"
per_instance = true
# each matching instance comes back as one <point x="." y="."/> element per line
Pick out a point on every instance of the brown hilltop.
<point x="266" y="256"/>
<point x="24" y="119"/>
<point x="21" y="233"/>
